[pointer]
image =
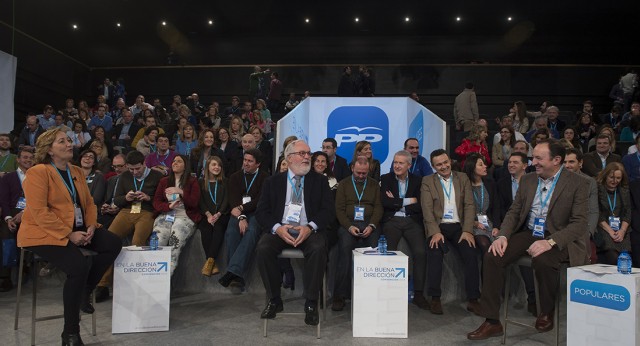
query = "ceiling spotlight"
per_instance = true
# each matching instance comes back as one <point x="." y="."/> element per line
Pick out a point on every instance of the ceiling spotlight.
<point x="118" y="25"/>
<point x="509" y="19"/>
<point x="164" y="23"/>
<point x="306" y="20"/>
<point x="357" y="19"/>
<point x="406" y="19"/>
<point x="210" y="22"/>
<point x="74" y="26"/>
<point x="458" y="19"/>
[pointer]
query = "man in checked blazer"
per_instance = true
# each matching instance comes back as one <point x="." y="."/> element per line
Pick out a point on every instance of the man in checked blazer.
<point x="547" y="221"/>
<point x="449" y="211"/>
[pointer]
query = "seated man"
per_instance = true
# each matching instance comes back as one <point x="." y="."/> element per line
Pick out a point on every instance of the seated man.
<point x="547" y="221"/>
<point x="359" y="210"/>
<point x="12" y="204"/>
<point x="400" y="194"/>
<point x="8" y="161"/>
<point x="109" y="210"/>
<point x="449" y="212"/>
<point x="134" y="196"/>
<point x="419" y="164"/>
<point x="294" y="210"/>
<point x="243" y="232"/>
<point x="162" y="158"/>
<point x="597" y="160"/>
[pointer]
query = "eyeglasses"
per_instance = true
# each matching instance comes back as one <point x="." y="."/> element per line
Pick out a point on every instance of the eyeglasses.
<point x="302" y="153"/>
<point x="117" y="166"/>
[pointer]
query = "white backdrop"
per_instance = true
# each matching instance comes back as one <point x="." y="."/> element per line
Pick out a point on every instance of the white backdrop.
<point x="386" y="122"/>
<point x="8" y="65"/>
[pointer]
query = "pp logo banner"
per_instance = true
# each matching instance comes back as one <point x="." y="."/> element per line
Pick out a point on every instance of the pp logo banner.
<point x="351" y="124"/>
<point x="603" y="295"/>
<point x="416" y="129"/>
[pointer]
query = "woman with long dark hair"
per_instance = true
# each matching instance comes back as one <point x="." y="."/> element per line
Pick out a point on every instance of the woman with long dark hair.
<point x="206" y="148"/>
<point x="176" y="198"/>
<point x="95" y="180"/>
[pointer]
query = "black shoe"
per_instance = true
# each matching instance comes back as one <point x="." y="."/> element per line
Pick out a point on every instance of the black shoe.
<point x="71" y="339"/>
<point x="102" y="294"/>
<point x="272" y="309"/>
<point x="337" y="304"/>
<point x="226" y="279"/>
<point x="237" y="282"/>
<point x="6" y="285"/>
<point x="86" y="305"/>
<point x="311" y="313"/>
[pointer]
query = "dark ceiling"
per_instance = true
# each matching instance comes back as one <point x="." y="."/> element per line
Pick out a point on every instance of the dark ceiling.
<point x="275" y="32"/>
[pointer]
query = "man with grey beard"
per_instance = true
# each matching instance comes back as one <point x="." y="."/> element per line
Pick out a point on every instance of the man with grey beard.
<point x="294" y="209"/>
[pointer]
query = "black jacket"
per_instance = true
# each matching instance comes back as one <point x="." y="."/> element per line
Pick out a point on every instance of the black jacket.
<point x="388" y="182"/>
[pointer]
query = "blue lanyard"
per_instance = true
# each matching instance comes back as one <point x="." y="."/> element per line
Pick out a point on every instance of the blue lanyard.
<point x="475" y="197"/>
<point x="4" y="162"/>
<point x="359" y="195"/>
<point x="188" y="148"/>
<point x="543" y="203"/>
<point x="72" y="188"/>
<point x="115" y="188"/>
<point x="136" y="184"/>
<point x="413" y="167"/>
<point x="553" y="126"/>
<point x="293" y="187"/>
<point x="163" y="160"/>
<point x="214" y="196"/>
<point x="612" y="208"/>
<point x="447" y="193"/>
<point x="252" y="180"/>
<point x="152" y="147"/>
<point x="638" y="156"/>
<point x="406" y="187"/>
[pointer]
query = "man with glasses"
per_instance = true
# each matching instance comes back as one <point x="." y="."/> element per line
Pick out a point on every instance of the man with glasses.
<point x="134" y="196"/>
<point x="109" y="209"/>
<point x="294" y="209"/>
<point x="30" y="133"/>
<point x="337" y="163"/>
<point x="359" y="210"/>
<point x="243" y="232"/>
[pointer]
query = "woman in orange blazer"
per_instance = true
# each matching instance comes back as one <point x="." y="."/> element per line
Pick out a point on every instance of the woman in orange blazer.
<point x="60" y="217"/>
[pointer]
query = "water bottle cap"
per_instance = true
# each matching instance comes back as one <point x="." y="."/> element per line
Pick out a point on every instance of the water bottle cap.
<point x="382" y="236"/>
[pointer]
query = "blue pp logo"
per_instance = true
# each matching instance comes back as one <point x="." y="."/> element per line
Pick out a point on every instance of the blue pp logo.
<point x="606" y="296"/>
<point x="350" y="124"/>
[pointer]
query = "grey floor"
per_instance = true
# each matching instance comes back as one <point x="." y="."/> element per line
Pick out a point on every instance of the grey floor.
<point x="224" y="319"/>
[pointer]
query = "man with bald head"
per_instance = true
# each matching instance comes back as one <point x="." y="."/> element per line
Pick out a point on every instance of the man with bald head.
<point x="293" y="211"/>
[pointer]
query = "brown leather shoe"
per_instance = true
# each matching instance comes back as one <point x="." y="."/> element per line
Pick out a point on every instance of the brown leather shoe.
<point x="421" y="302"/>
<point x="485" y="331"/>
<point x="544" y="323"/>
<point x="473" y="306"/>
<point x="207" y="267"/>
<point x="435" y="306"/>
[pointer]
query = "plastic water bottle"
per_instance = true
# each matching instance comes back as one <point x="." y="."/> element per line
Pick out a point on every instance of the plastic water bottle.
<point x="382" y="245"/>
<point x="624" y="263"/>
<point x="411" y="293"/>
<point x="153" y="241"/>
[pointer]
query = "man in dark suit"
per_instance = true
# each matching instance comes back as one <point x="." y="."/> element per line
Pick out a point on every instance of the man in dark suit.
<point x="337" y="164"/>
<point x="293" y="211"/>
<point x="29" y="135"/>
<point x="402" y="217"/>
<point x="108" y="90"/>
<point x="125" y="131"/>
<point x="449" y="212"/>
<point x="547" y="221"/>
<point x="597" y="160"/>
<point x="12" y="204"/>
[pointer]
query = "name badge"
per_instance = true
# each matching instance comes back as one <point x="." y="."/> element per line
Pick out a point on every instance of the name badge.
<point x="358" y="214"/>
<point x="293" y="213"/>
<point x="538" y="227"/>
<point x="77" y="213"/>
<point x="614" y="223"/>
<point x="22" y="203"/>
<point x="483" y="219"/>
<point x="448" y="214"/>
<point x="171" y="216"/>
<point x="136" y="208"/>
<point x="246" y="199"/>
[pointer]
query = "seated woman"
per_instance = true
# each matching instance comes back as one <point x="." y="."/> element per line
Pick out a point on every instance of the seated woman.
<point x="264" y="146"/>
<point x="214" y="205"/>
<point x="614" y="200"/>
<point x="570" y="135"/>
<point x="502" y="150"/>
<point x="485" y="197"/>
<point x="176" y="199"/>
<point x="99" y="133"/>
<point x="474" y="143"/>
<point x="364" y="148"/>
<point x="103" y="163"/>
<point x="95" y="180"/>
<point x="147" y="144"/>
<point x="206" y="148"/>
<point x="60" y="218"/>
<point x="79" y="136"/>
<point x="187" y="140"/>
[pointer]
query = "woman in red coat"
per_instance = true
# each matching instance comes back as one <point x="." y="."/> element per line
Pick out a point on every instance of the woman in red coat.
<point x="474" y="143"/>
<point x="176" y="199"/>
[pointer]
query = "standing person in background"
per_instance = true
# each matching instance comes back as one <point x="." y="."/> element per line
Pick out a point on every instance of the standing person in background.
<point x="275" y="94"/>
<point x="347" y="86"/>
<point x="59" y="219"/>
<point x="465" y="108"/>
<point x="258" y="83"/>
<point x="214" y="206"/>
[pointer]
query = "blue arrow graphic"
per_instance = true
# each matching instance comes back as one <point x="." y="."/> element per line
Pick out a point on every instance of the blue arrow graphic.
<point x="401" y="271"/>
<point x="164" y="265"/>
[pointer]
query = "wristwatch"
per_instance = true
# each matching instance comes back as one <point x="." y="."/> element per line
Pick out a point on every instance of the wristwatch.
<point x="373" y="227"/>
<point x="551" y="242"/>
<point x="242" y="217"/>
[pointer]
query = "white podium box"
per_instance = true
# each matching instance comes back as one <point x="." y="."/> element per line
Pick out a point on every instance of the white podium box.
<point x="379" y="299"/>
<point x="141" y="290"/>
<point x="602" y="306"/>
